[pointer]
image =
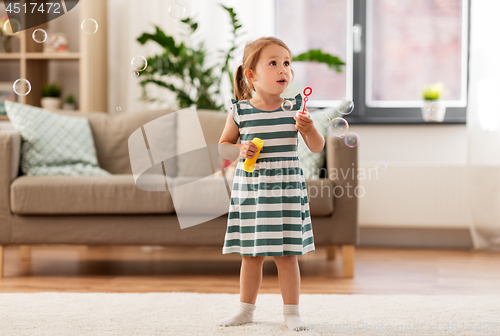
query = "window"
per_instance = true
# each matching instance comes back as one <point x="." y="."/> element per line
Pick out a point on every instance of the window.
<point x="304" y="25"/>
<point x="393" y="48"/>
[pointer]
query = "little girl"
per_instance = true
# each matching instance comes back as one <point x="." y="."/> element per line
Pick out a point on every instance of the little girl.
<point x="269" y="210"/>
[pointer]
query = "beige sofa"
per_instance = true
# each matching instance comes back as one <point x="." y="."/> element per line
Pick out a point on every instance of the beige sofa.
<point x="111" y="210"/>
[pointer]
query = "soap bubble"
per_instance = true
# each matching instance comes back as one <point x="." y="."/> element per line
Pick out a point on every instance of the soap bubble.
<point x="346" y="106"/>
<point x="176" y="10"/>
<point x="11" y="27"/>
<point x="339" y="127"/>
<point x="287" y="105"/>
<point x="436" y="111"/>
<point x="22" y="87"/>
<point x="136" y="73"/>
<point x="39" y="36"/>
<point x="381" y="167"/>
<point x="351" y="139"/>
<point x="118" y="108"/>
<point x="139" y="63"/>
<point x="325" y="119"/>
<point x="90" y="26"/>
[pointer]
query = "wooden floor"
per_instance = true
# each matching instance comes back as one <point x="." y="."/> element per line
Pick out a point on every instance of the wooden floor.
<point x="206" y="270"/>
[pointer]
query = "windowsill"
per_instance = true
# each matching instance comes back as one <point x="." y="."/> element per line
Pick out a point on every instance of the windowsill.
<point x="402" y="121"/>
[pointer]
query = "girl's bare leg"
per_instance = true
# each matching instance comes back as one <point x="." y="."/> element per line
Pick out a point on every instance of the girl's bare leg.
<point x="289" y="278"/>
<point x="250" y="280"/>
<point x="289" y="281"/>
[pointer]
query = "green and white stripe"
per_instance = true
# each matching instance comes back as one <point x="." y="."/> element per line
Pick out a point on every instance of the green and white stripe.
<point x="269" y="211"/>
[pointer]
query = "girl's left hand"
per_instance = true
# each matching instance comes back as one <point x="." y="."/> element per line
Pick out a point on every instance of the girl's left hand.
<point x="303" y="124"/>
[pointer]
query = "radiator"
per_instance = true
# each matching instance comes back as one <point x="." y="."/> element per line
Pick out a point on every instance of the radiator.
<point x="413" y="196"/>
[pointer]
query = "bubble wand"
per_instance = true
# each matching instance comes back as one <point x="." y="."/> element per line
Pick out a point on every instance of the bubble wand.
<point x="307" y="92"/>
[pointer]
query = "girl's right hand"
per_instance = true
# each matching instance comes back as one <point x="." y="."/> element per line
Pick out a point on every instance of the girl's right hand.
<point x="248" y="150"/>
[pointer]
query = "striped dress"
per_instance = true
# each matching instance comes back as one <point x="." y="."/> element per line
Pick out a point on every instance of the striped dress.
<point x="269" y="209"/>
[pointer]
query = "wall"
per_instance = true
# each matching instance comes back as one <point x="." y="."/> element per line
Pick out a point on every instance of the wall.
<point x="426" y="180"/>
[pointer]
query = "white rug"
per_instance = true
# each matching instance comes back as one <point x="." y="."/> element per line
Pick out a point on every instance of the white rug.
<point x="198" y="314"/>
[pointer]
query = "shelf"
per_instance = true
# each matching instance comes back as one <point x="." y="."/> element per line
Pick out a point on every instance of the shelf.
<point x="10" y="56"/>
<point x="41" y="55"/>
<point x="56" y="56"/>
<point x="86" y="65"/>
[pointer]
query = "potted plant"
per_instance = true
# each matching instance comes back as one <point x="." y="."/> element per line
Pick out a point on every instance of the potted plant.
<point x="51" y="96"/>
<point x="69" y="102"/>
<point x="433" y="109"/>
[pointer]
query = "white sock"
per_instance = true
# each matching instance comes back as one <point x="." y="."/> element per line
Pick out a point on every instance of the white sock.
<point x="292" y="318"/>
<point x="244" y="315"/>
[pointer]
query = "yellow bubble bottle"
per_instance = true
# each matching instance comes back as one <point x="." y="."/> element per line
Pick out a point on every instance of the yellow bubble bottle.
<point x="249" y="164"/>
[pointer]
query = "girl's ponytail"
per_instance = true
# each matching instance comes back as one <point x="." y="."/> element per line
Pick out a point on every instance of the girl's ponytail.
<point x="242" y="90"/>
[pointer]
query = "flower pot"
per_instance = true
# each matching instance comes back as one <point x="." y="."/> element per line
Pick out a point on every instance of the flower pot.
<point x="51" y="103"/>
<point x="433" y="111"/>
<point x="69" y="106"/>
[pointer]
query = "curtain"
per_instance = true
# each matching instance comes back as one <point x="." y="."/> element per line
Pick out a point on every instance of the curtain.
<point x="483" y="125"/>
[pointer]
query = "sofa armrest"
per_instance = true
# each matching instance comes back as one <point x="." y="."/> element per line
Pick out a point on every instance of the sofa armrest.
<point x="342" y="169"/>
<point x="14" y="137"/>
<point x="10" y="150"/>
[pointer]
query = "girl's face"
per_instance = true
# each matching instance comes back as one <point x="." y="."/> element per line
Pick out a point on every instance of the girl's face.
<point x="272" y="74"/>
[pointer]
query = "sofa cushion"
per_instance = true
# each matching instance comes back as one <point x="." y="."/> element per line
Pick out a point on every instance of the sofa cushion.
<point x="200" y="195"/>
<point x="196" y="132"/>
<point x="53" y="144"/>
<point x="58" y="195"/>
<point x="111" y="133"/>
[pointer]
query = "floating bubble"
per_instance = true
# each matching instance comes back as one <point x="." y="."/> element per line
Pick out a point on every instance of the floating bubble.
<point x="22" y="87"/>
<point x="136" y="73"/>
<point x="118" y="108"/>
<point x="39" y="36"/>
<point x="176" y="10"/>
<point x="351" y="139"/>
<point x="346" y="106"/>
<point x="436" y="111"/>
<point x="90" y="26"/>
<point x="381" y="167"/>
<point x="325" y="119"/>
<point x="287" y="105"/>
<point x="339" y="127"/>
<point x="139" y="63"/>
<point x="11" y="27"/>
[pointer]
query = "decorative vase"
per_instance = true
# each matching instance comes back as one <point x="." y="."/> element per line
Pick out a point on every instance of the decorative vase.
<point x="51" y="103"/>
<point x="433" y="111"/>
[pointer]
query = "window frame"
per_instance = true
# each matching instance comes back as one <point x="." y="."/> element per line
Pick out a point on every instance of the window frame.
<point x="356" y="79"/>
<point x="364" y="114"/>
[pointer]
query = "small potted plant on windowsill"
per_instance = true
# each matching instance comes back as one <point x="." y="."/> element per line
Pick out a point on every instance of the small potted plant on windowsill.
<point x="51" y="96"/>
<point x="69" y="102"/>
<point x="433" y="109"/>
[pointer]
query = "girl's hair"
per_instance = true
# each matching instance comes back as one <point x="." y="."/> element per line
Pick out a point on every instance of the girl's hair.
<point x="242" y="88"/>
